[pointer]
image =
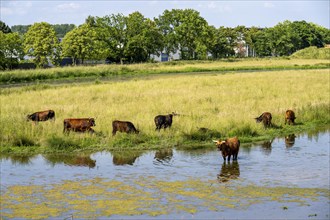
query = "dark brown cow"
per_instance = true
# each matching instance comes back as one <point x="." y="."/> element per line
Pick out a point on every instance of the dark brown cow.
<point x="289" y="117"/>
<point x="42" y="116"/>
<point x="228" y="147"/>
<point x="265" y="118"/>
<point x="79" y="124"/>
<point x="164" y="121"/>
<point x="123" y="126"/>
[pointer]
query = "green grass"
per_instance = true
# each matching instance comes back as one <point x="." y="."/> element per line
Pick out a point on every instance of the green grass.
<point x="211" y="106"/>
<point x="72" y="74"/>
<point x="312" y="53"/>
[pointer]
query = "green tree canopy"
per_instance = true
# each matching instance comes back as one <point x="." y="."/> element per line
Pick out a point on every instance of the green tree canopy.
<point x="4" y="28"/>
<point x="82" y="43"/>
<point x="41" y="43"/>
<point x="10" y="50"/>
<point x="186" y="31"/>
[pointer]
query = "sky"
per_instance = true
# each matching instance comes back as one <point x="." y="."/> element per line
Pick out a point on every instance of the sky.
<point x="217" y="13"/>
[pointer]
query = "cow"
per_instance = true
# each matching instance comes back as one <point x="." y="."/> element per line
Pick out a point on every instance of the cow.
<point x="228" y="147"/>
<point x="42" y="116"/>
<point x="164" y="121"/>
<point x="265" y="118"/>
<point x="289" y="117"/>
<point x="79" y="124"/>
<point x="123" y="126"/>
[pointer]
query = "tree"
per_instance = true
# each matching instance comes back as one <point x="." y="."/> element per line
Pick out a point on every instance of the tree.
<point x="133" y="38"/>
<point x="62" y="29"/>
<point x="185" y="30"/>
<point x="10" y="50"/>
<point x="143" y="38"/>
<point x="4" y="28"/>
<point x="82" y="43"/>
<point x="42" y="44"/>
<point x="112" y="31"/>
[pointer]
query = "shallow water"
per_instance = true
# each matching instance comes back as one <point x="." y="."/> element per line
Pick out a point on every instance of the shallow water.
<point x="269" y="170"/>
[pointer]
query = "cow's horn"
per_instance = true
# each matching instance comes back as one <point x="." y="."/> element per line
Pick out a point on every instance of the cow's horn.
<point x="215" y="141"/>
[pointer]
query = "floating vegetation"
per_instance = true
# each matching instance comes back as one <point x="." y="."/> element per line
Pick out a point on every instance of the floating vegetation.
<point x="100" y="197"/>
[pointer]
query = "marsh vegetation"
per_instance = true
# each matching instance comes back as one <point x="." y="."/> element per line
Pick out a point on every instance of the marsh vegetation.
<point x="215" y="104"/>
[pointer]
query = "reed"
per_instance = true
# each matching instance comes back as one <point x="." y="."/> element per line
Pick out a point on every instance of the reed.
<point x="211" y="105"/>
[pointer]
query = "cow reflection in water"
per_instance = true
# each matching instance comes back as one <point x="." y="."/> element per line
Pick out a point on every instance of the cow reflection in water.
<point x="266" y="147"/>
<point x="289" y="140"/>
<point x="164" y="155"/>
<point x="229" y="171"/>
<point x="72" y="160"/>
<point x="125" y="158"/>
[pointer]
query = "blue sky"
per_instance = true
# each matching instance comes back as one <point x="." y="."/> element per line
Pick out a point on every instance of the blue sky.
<point x="217" y="13"/>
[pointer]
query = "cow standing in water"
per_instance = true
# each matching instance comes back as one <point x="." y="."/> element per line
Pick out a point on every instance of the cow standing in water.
<point x="42" y="116"/>
<point x="164" y="121"/>
<point x="123" y="126"/>
<point x="79" y="124"/>
<point x="289" y="117"/>
<point x="265" y="118"/>
<point x="228" y="147"/>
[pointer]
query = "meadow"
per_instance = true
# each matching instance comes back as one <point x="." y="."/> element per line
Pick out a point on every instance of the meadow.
<point x="114" y="71"/>
<point x="224" y="102"/>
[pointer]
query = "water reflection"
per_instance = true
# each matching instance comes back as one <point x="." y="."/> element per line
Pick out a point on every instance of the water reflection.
<point x="267" y="147"/>
<point x="18" y="159"/>
<point x="125" y="157"/>
<point x="229" y="171"/>
<point x="289" y="140"/>
<point x="164" y="155"/>
<point x="71" y="160"/>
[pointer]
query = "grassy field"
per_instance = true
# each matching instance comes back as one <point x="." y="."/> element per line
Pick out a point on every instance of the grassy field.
<point x="133" y="70"/>
<point x="223" y="102"/>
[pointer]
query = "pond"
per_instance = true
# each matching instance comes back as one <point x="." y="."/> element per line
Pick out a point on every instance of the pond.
<point x="281" y="178"/>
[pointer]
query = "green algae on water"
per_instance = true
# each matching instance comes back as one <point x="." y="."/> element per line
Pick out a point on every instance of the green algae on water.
<point x="143" y="196"/>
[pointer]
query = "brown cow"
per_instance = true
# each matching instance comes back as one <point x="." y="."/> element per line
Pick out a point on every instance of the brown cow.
<point x="123" y="126"/>
<point x="289" y="117"/>
<point x="41" y="116"/>
<point x="79" y="124"/>
<point x="228" y="147"/>
<point x="265" y="118"/>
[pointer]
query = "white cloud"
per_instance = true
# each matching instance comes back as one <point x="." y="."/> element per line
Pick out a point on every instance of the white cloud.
<point x="15" y="7"/>
<point x="67" y="6"/>
<point x="269" y="5"/>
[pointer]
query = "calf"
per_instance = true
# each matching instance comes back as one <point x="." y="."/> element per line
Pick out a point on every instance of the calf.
<point x="265" y="118"/>
<point x="164" y="121"/>
<point x="289" y="117"/>
<point x="79" y="124"/>
<point x="123" y="126"/>
<point x="228" y="147"/>
<point x="42" y="116"/>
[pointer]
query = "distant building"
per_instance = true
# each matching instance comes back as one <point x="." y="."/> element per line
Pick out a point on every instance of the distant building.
<point x="164" y="57"/>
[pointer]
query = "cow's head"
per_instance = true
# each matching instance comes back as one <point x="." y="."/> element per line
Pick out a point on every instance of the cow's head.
<point x="92" y="121"/>
<point x="30" y="117"/>
<point x="220" y="144"/>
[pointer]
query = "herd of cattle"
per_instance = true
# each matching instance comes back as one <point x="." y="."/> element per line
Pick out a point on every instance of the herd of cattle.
<point x="228" y="147"/>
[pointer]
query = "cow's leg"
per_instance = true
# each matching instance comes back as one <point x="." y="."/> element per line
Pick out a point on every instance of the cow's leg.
<point x="229" y="158"/>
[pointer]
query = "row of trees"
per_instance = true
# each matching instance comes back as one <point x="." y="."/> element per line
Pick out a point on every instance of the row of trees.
<point x="134" y="38"/>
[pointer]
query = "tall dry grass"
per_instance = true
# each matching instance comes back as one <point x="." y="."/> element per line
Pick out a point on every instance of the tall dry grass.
<point x="225" y="103"/>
